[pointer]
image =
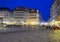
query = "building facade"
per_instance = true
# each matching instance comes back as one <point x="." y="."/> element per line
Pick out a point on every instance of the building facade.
<point x="18" y="14"/>
<point x="4" y="13"/>
<point x="55" y="11"/>
<point x="33" y="16"/>
<point x="26" y="15"/>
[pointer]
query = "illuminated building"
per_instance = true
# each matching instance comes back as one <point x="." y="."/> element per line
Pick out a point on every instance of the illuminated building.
<point x="4" y="13"/>
<point x="26" y="15"/>
<point x="55" y="11"/>
<point x="33" y="16"/>
<point x="18" y="14"/>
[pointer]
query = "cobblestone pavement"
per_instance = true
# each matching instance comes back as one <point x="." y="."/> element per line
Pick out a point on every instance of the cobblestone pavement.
<point x="34" y="35"/>
<point x="54" y="36"/>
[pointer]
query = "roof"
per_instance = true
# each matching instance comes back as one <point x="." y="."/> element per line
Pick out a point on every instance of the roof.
<point x="4" y="9"/>
<point x="33" y="10"/>
<point x="19" y="9"/>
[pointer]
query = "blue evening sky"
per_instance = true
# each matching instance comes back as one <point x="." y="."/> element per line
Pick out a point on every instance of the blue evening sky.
<point x="42" y="5"/>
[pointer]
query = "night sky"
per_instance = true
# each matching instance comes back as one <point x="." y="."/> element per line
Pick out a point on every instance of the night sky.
<point x="42" y="5"/>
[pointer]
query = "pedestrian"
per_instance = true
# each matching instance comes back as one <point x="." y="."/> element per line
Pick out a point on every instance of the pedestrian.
<point x="54" y="27"/>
